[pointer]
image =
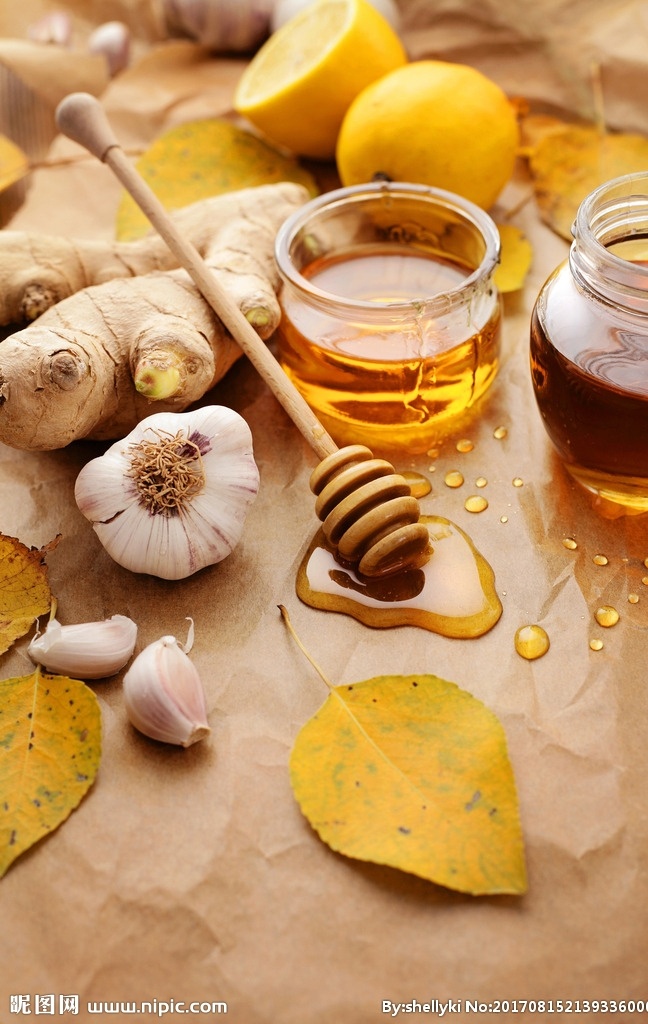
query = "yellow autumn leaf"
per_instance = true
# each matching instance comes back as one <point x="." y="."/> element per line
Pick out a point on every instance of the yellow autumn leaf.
<point x="14" y="164"/>
<point x="567" y="164"/>
<point x="535" y="127"/>
<point x="24" y="590"/>
<point x="413" y="772"/>
<point x="515" y="259"/>
<point x="205" y="158"/>
<point x="50" y="747"/>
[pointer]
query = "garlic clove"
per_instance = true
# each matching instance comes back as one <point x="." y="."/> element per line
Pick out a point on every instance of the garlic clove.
<point x="164" y="695"/>
<point x="54" y="28"/>
<point x="85" y="650"/>
<point x="102" y="491"/>
<point x="112" y="40"/>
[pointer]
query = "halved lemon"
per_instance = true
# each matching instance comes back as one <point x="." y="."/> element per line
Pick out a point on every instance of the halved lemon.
<point x="299" y="85"/>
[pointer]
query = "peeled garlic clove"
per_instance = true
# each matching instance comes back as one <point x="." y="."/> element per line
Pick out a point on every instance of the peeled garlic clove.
<point x="164" y="694"/>
<point x="85" y="650"/>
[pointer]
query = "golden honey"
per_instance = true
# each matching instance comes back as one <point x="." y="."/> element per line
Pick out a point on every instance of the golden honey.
<point x="390" y="320"/>
<point x="453" y="594"/>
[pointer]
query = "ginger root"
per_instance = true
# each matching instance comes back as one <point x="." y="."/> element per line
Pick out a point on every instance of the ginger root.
<point x="128" y="328"/>
<point x="37" y="271"/>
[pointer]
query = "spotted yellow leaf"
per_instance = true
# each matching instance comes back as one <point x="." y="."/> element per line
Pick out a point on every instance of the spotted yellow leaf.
<point x="205" y="158"/>
<point x="24" y="590"/>
<point x="50" y="747"/>
<point x="515" y="260"/>
<point x="413" y="772"/>
<point x="567" y="164"/>
<point x="14" y="164"/>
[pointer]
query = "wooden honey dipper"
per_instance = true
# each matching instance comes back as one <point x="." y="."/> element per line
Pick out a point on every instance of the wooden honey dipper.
<point x="369" y="515"/>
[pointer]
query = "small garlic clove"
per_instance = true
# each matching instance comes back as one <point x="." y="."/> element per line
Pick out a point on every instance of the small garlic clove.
<point x="164" y="695"/>
<point x="112" y="40"/>
<point x="85" y="650"/>
<point x="54" y="28"/>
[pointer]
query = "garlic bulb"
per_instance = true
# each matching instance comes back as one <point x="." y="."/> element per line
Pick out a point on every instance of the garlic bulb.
<point x="235" y="26"/>
<point x="85" y="650"/>
<point x="164" y="695"/>
<point x="285" y="10"/>
<point x="172" y="497"/>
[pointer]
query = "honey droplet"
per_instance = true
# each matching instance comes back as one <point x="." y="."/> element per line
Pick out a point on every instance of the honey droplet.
<point x="606" y="615"/>
<point x="645" y="581"/>
<point x="500" y="433"/>
<point x="570" y="543"/>
<point x="596" y="645"/>
<point x="503" y="519"/>
<point x="600" y="560"/>
<point x="633" y="598"/>
<point x="646" y="562"/>
<point x="419" y="484"/>
<point x="531" y="642"/>
<point x="453" y="479"/>
<point x="433" y="453"/>
<point x="475" y="503"/>
<point x="481" y="481"/>
<point x="518" y="481"/>
<point x="465" y="445"/>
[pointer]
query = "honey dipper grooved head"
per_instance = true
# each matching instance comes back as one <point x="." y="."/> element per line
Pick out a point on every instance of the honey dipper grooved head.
<point x="369" y="514"/>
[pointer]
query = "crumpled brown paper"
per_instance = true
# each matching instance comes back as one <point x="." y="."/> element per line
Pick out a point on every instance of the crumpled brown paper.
<point x="33" y="80"/>
<point x="191" y="875"/>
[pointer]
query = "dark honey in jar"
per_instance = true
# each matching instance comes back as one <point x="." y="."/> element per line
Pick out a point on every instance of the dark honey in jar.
<point x="589" y="346"/>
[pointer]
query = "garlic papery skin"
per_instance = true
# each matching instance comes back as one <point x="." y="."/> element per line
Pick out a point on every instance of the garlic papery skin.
<point x="164" y="695"/>
<point x="285" y="10"/>
<point x="232" y="26"/>
<point x="172" y="497"/>
<point x="85" y="650"/>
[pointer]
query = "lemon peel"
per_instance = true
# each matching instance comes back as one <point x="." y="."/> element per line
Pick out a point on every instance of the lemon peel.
<point x="434" y="123"/>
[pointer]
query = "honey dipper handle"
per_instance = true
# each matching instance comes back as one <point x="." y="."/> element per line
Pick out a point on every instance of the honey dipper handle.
<point x="81" y="117"/>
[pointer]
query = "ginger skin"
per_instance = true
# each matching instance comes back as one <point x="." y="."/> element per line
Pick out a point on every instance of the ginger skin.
<point x="37" y="271"/>
<point x="100" y="360"/>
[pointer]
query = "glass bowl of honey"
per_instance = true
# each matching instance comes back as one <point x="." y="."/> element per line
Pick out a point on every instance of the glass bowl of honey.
<point x="391" y="321"/>
<point x="589" y="347"/>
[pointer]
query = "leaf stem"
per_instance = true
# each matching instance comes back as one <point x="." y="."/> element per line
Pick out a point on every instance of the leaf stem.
<point x="291" y="630"/>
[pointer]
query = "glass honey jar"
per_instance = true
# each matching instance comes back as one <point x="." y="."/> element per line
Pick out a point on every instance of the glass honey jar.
<point x="390" y="317"/>
<point x="589" y="346"/>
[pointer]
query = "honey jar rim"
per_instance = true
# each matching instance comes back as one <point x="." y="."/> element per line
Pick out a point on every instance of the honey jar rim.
<point x="439" y="302"/>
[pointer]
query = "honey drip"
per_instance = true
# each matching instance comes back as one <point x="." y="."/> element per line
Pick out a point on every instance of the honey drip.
<point x="453" y="594"/>
<point x="420" y="486"/>
<point x="606" y="616"/>
<point x="531" y="642"/>
<point x="475" y="503"/>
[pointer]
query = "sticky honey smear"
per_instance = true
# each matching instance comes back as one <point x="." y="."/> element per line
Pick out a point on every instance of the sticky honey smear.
<point x="453" y="594"/>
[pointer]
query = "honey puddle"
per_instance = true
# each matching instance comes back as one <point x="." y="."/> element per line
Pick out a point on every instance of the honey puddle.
<point x="453" y="594"/>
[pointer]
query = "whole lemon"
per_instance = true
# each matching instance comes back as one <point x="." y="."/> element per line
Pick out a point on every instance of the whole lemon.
<point x="435" y="123"/>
